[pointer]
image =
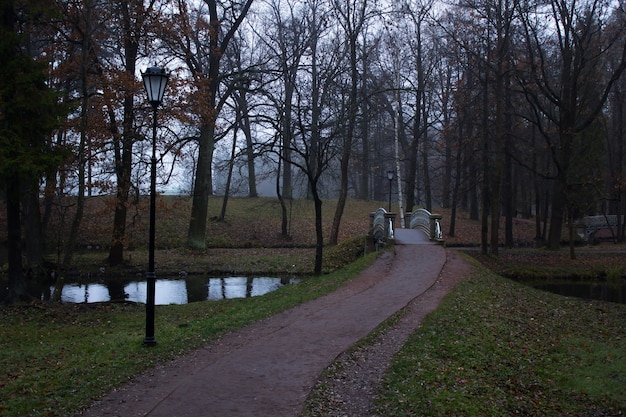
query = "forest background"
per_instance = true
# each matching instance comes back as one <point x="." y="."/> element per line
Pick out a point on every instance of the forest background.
<point x="503" y="108"/>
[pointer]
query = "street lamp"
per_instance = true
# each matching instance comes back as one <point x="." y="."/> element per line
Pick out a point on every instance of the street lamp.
<point x="390" y="178"/>
<point x="155" y="80"/>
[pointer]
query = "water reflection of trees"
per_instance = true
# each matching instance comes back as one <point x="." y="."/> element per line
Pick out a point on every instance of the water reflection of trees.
<point x="116" y="288"/>
<point x="175" y="291"/>
<point x="196" y="290"/>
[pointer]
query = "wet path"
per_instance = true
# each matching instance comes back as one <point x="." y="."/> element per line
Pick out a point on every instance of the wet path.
<point x="268" y="369"/>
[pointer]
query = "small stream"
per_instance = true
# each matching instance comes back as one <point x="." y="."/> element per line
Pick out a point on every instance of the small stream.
<point x="603" y="291"/>
<point x="170" y="291"/>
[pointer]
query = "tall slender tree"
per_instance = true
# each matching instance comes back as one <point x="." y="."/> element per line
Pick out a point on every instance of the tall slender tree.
<point x="352" y="16"/>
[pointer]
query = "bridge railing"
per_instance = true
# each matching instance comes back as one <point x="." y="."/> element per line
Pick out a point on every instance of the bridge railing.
<point x="381" y="225"/>
<point x="428" y="222"/>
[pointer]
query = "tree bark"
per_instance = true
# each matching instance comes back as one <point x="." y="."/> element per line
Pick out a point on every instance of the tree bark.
<point x="17" y="287"/>
<point x="202" y="190"/>
<point x="319" y="232"/>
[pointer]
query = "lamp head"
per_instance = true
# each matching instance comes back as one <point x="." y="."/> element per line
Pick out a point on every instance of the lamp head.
<point x="390" y="175"/>
<point x="154" y="80"/>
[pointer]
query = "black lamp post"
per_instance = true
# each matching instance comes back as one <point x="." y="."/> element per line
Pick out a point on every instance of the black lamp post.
<point x="390" y="178"/>
<point x="155" y="80"/>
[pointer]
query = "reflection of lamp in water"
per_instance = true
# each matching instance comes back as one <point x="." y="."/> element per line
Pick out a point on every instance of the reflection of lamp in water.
<point x="155" y="80"/>
<point x="390" y="178"/>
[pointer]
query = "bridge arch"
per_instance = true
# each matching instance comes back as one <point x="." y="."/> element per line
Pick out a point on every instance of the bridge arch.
<point x="382" y="225"/>
<point x="428" y="222"/>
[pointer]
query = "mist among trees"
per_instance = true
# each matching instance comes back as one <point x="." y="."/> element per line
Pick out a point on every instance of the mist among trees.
<point x="501" y="108"/>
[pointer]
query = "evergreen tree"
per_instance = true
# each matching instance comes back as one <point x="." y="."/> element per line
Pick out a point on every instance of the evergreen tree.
<point x="29" y="112"/>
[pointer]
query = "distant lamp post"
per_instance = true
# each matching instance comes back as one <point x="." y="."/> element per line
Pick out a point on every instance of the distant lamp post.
<point x="155" y="80"/>
<point x="390" y="178"/>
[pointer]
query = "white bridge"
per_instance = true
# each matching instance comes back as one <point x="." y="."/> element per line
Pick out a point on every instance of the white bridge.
<point x="382" y="225"/>
<point x="587" y="227"/>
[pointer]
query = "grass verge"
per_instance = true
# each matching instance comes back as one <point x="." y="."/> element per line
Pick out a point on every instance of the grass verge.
<point x="495" y="348"/>
<point x="56" y="359"/>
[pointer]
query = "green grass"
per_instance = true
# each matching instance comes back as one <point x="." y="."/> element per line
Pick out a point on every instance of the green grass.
<point x="498" y="348"/>
<point x="56" y="359"/>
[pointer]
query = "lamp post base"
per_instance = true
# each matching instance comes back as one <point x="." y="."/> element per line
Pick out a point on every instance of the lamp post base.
<point x="149" y="341"/>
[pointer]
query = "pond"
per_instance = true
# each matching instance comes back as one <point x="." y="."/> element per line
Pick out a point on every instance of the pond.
<point x="603" y="291"/>
<point x="170" y="291"/>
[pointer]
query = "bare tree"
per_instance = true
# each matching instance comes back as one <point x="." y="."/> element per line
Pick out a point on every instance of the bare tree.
<point x="317" y="117"/>
<point x="352" y="16"/>
<point x="567" y="80"/>
<point x="287" y="38"/>
<point x="200" y="35"/>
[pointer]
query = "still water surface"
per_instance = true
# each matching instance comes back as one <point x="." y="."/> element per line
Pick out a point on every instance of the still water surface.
<point x="173" y="291"/>
<point x="614" y="293"/>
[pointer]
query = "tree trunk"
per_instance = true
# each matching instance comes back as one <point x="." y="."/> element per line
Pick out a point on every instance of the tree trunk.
<point x="447" y="180"/>
<point x="457" y="180"/>
<point x="123" y="174"/>
<point x="245" y="127"/>
<point x="484" y="224"/>
<point x="229" y="176"/>
<point x="428" y="195"/>
<point x="287" y="137"/>
<point x="201" y="191"/>
<point x="319" y="232"/>
<point x="31" y="222"/>
<point x="398" y="168"/>
<point x="537" y="186"/>
<point x="486" y="190"/>
<point x="557" y="216"/>
<point x="570" y="221"/>
<point x="412" y="155"/>
<point x="364" y="189"/>
<point x="473" y="190"/>
<point x="509" y="195"/>
<point x="284" y="224"/>
<point x="343" y="190"/>
<point x="352" y="29"/>
<point x="17" y="287"/>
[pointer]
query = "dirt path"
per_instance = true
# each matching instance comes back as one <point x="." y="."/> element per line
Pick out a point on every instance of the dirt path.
<point x="350" y="384"/>
<point x="269" y="368"/>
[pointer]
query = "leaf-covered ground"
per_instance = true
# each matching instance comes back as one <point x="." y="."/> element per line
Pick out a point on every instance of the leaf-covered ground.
<point x="497" y="348"/>
<point x="249" y="239"/>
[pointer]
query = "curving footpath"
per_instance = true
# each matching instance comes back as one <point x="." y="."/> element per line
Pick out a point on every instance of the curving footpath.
<point x="268" y="369"/>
